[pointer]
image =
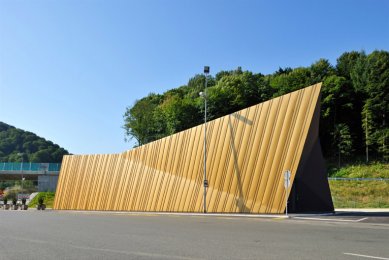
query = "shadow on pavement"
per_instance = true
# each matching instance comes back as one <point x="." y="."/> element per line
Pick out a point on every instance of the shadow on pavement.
<point x="362" y="214"/>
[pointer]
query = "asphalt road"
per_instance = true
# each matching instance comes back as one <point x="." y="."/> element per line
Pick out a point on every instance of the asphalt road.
<point x="73" y="235"/>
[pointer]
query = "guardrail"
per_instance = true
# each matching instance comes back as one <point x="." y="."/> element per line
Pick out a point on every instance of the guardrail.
<point x="356" y="179"/>
<point x="28" y="166"/>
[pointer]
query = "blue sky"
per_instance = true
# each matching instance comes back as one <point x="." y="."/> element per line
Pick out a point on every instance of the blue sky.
<point x="69" y="69"/>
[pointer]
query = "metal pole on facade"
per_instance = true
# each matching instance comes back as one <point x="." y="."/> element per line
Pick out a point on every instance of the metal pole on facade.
<point x="204" y="95"/>
<point x="286" y="185"/>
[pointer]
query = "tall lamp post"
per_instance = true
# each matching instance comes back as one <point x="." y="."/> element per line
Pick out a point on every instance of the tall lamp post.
<point x="204" y="95"/>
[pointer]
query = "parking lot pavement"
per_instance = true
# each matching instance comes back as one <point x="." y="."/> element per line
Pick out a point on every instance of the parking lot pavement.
<point x="122" y="235"/>
<point x="372" y="216"/>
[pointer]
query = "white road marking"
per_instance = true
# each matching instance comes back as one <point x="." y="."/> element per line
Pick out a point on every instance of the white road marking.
<point x="367" y="256"/>
<point x="362" y="219"/>
<point x="332" y="219"/>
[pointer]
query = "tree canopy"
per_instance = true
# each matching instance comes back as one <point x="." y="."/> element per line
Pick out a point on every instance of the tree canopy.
<point x="355" y="97"/>
<point x="17" y="144"/>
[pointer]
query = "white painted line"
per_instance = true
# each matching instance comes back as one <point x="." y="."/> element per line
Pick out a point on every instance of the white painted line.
<point x="332" y="219"/>
<point x="362" y="219"/>
<point x="367" y="256"/>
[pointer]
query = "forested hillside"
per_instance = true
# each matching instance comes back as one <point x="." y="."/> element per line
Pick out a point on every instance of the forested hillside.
<point x="16" y="143"/>
<point x="354" y="105"/>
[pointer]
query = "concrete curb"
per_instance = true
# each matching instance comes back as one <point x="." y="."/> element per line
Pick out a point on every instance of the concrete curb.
<point x="178" y="214"/>
<point x="229" y="215"/>
<point x="366" y="210"/>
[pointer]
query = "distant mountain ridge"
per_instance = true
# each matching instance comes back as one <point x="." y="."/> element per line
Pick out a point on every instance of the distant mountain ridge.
<point x="16" y="143"/>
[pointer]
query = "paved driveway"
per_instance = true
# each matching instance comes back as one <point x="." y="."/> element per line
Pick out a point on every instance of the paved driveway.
<point x="92" y="235"/>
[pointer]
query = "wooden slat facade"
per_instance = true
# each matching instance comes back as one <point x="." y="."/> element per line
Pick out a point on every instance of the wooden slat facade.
<point x="247" y="152"/>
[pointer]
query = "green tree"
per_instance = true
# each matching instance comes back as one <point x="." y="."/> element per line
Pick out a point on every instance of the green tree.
<point x="143" y="121"/>
<point x="320" y="70"/>
<point x="239" y="90"/>
<point x="16" y="144"/>
<point x="343" y="141"/>
<point x="197" y="84"/>
<point x="346" y="63"/>
<point x="359" y="74"/>
<point x="371" y="77"/>
<point x="336" y="108"/>
<point x="367" y="126"/>
<point x="378" y="92"/>
<point x="294" y="80"/>
<point x="354" y="102"/>
<point x="180" y="113"/>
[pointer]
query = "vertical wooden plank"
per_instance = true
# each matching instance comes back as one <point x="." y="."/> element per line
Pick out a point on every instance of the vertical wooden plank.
<point x="247" y="151"/>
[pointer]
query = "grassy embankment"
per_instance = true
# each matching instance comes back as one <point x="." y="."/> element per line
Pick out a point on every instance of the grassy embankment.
<point x="361" y="194"/>
<point x="48" y="199"/>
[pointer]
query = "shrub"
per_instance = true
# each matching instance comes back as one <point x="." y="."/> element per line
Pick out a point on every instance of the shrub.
<point x="48" y="198"/>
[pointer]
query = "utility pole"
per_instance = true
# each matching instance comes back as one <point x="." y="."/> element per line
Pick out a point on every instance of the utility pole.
<point x="204" y="95"/>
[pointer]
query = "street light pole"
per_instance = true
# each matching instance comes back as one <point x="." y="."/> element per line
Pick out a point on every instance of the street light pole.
<point x="204" y="95"/>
